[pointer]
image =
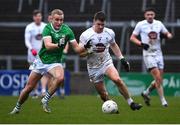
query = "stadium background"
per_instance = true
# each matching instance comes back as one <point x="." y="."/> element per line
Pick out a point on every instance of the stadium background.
<point x="122" y="16"/>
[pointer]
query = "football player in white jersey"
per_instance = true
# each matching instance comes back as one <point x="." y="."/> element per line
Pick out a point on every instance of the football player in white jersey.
<point x="149" y="31"/>
<point x="98" y="39"/>
<point x="33" y="42"/>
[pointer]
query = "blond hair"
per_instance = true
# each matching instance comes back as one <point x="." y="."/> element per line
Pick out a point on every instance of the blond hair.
<point x="57" y="11"/>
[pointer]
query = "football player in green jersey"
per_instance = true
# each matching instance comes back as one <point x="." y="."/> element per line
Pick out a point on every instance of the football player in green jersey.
<point x="55" y="36"/>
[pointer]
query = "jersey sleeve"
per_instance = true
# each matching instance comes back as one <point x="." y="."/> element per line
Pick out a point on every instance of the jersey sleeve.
<point x="82" y="39"/>
<point x="163" y="28"/>
<point x="112" y="34"/>
<point x="137" y="29"/>
<point x="46" y="32"/>
<point x="71" y="36"/>
<point x="27" y="37"/>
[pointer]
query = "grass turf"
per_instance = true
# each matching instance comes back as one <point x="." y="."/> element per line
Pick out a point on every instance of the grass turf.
<point x="87" y="110"/>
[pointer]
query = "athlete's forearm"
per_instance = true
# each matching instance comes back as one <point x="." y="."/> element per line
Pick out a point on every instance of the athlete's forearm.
<point x="28" y="44"/>
<point x="51" y="46"/>
<point x="83" y="54"/>
<point x="78" y="48"/>
<point x="134" y="39"/>
<point x="116" y="50"/>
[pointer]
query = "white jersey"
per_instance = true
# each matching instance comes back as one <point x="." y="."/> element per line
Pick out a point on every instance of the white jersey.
<point x="33" y="38"/>
<point x="150" y="34"/>
<point x="104" y="39"/>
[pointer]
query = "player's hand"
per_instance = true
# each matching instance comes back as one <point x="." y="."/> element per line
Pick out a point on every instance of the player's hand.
<point x="166" y="36"/>
<point x="60" y="45"/>
<point x="125" y="64"/>
<point x="145" y="46"/>
<point x="34" y="52"/>
<point x="88" y="45"/>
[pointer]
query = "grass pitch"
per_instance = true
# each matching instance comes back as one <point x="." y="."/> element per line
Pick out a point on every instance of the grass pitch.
<point x="87" y="110"/>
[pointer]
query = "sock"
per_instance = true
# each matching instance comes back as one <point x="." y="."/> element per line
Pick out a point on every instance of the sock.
<point x="129" y="100"/>
<point x="43" y="90"/>
<point x="18" y="106"/>
<point x="46" y="97"/>
<point x="163" y="100"/>
<point x="150" y="88"/>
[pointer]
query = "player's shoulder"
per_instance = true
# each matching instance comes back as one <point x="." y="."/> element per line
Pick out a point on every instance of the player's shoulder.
<point x="48" y="26"/>
<point x="88" y="32"/>
<point x="65" y="26"/>
<point x="109" y="31"/>
<point x="142" y="22"/>
<point x="43" y="23"/>
<point x="157" y="21"/>
<point x="30" y="25"/>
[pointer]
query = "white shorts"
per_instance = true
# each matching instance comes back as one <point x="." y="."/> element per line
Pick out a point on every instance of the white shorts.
<point x="41" y="68"/>
<point x="97" y="74"/>
<point x="152" y="61"/>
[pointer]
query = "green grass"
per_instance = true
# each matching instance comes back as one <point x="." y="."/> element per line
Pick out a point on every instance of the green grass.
<point x="87" y="109"/>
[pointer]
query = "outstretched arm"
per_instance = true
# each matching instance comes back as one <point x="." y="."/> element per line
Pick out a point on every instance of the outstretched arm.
<point x="77" y="47"/>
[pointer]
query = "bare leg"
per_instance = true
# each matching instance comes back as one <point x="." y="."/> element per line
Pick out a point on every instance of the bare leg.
<point x="58" y="77"/>
<point x="157" y="74"/>
<point x="112" y="73"/>
<point x="44" y="81"/>
<point x="102" y="91"/>
<point x="31" y="84"/>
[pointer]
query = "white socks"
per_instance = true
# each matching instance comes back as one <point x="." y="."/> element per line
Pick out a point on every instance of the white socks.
<point x="129" y="100"/>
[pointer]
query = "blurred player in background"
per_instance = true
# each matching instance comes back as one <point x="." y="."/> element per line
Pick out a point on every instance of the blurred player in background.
<point x="149" y="31"/>
<point x="99" y="62"/>
<point x="55" y="37"/>
<point x="33" y="41"/>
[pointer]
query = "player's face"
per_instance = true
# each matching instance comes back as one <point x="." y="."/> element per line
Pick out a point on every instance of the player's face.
<point x="57" y="21"/>
<point x="37" y="18"/>
<point x="99" y="26"/>
<point x="149" y="16"/>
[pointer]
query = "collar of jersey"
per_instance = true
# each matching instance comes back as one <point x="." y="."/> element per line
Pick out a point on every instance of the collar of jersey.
<point x="54" y="29"/>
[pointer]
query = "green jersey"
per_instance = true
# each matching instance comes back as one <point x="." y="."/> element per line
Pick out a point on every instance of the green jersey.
<point x="62" y="36"/>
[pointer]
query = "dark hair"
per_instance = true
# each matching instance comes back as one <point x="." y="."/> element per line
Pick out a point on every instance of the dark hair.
<point x="35" y="12"/>
<point x="149" y="9"/>
<point x="100" y="16"/>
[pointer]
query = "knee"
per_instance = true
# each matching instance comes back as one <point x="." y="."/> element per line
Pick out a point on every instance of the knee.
<point x="59" y="79"/>
<point x="118" y="81"/>
<point x="158" y="81"/>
